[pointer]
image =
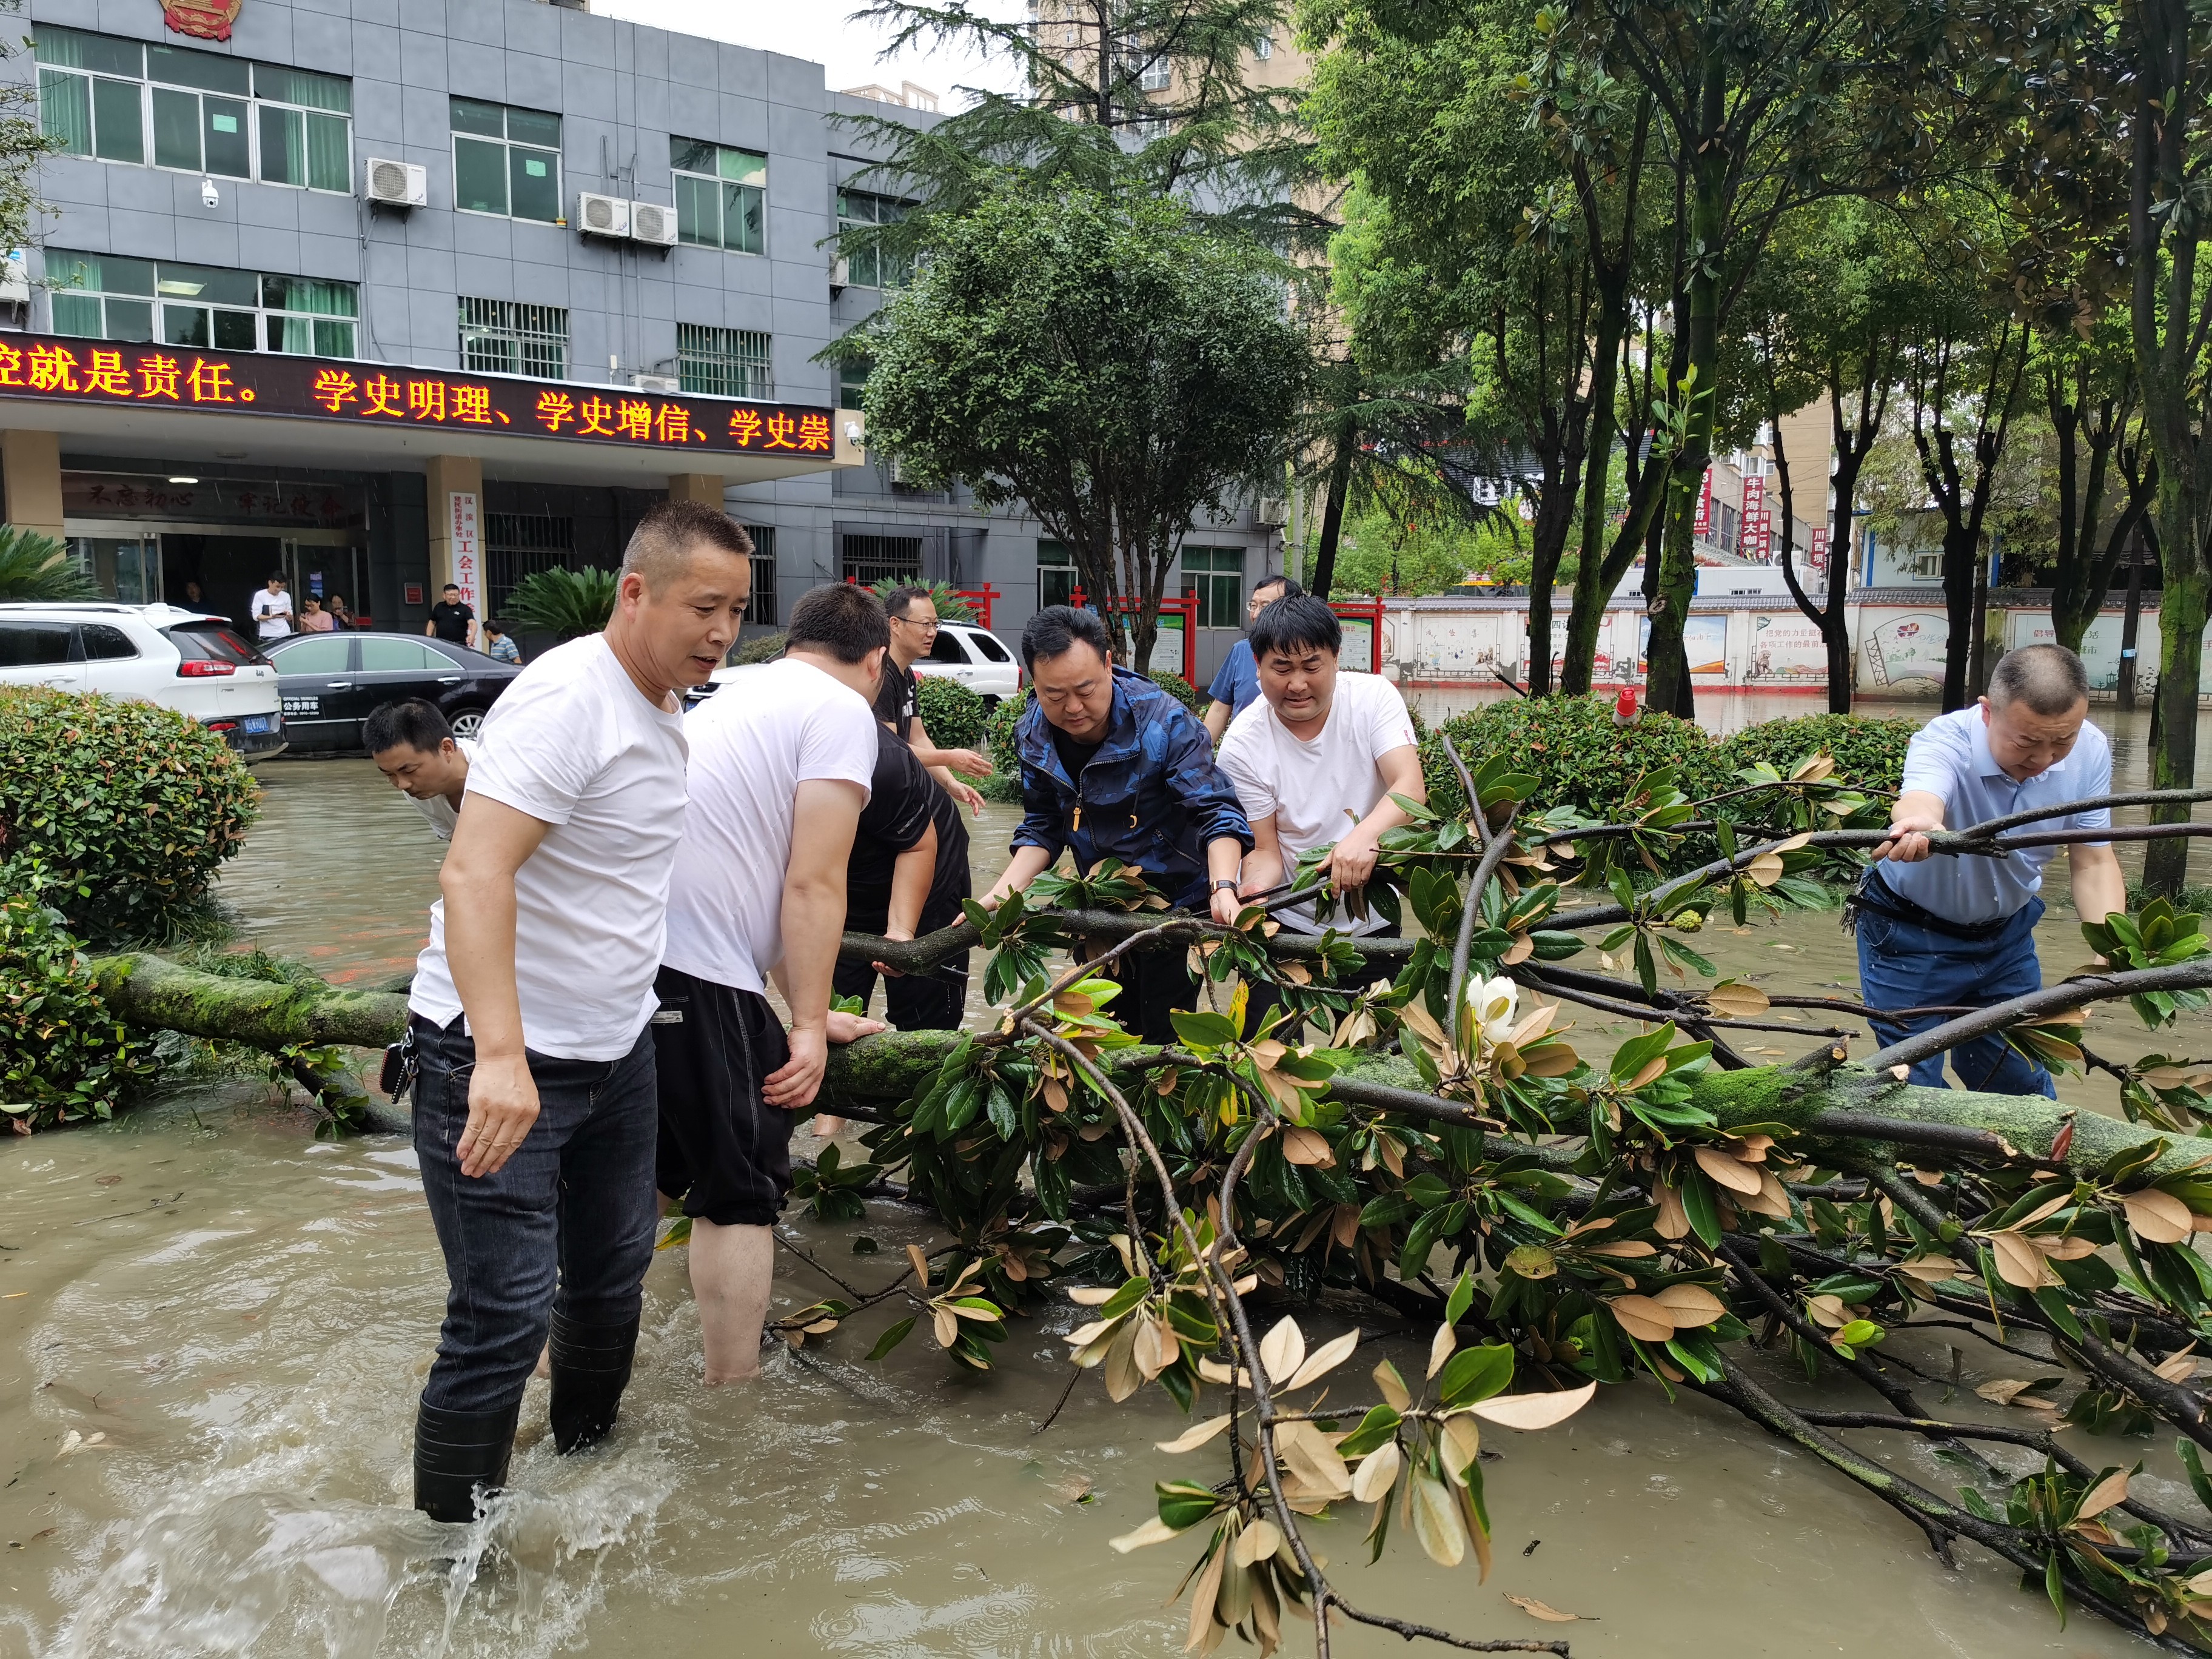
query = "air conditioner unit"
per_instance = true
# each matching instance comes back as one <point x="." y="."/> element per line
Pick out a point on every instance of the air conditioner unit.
<point x="602" y="216"/>
<point x="650" y="222"/>
<point x="1271" y="510"/>
<point x="397" y="184"/>
<point x="840" y="275"/>
<point x="656" y="383"/>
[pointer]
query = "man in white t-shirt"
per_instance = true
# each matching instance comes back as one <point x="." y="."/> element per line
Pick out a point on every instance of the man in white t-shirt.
<point x="779" y="770"/>
<point x="535" y="1109"/>
<point x="272" y="609"/>
<point x="417" y="751"/>
<point x="1317" y="758"/>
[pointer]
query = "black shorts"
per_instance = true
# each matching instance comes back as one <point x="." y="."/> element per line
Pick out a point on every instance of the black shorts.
<point x="724" y="1151"/>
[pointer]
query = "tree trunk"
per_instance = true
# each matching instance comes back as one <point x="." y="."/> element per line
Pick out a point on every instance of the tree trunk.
<point x="1835" y="629"/>
<point x="1961" y="546"/>
<point x="2130" y="627"/>
<point x="1332" y="520"/>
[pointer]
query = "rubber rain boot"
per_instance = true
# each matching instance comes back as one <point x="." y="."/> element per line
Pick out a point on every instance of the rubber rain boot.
<point x="591" y="1369"/>
<point x="457" y="1453"/>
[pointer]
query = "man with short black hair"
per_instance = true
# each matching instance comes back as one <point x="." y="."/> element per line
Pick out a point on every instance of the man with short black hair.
<point x="908" y="875"/>
<point x="535" y="1114"/>
<point x="1112" y="765"/>
<point x="1953" y="932"/>
<point x="413" y="746"/>
<point x="1318" y="757"/>
<point x="1236" y="686"/>
<point x="912" y="613"/>
<point x="779" y="770"/>
<point x="272" y="609"/>
<point x="451" y="620"/>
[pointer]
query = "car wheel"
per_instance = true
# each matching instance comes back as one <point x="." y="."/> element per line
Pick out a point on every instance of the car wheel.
<point x="468" y="722"/>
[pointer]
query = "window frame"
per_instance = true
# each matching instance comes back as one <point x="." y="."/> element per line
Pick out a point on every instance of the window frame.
<point x="743" y="376"/>
<point x="159" y="304"/>
<point x="509" y="148"/>
<point x="679" y="175"/>
<point x="1220" y="591"/>
<point x="514" y="331"/>
<point x="1050" y="585"/>
<point x="846" y="221"/>
<point x="146" y="83"/>
<point x="761" y="603"/>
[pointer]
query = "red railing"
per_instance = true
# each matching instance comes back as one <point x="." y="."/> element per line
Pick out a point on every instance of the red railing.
<point x="980" y="600"/>
<point x="1186" y="607"/>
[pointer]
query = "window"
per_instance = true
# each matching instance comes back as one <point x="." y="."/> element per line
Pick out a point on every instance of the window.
<point x="315" y="653"/>
<point x="98" y="296"/>
<point x="102" y="643"/>
<point x="1216" y="574"/>
<point x="761" y="607"/>
<point x="1056" y="577"/>
<point x="871" y="265"/>
<point x="502" y="337"/>
<point x="518" y="544"/>
<point x="721" y="196"/>
<point x="34" y="645"/>
<point x="724" y="362"/>
<point x="869" y="560"/>
<point x="394" y="654"/>
<point x="1264" y="47"/>
<point x="101" y="97"/>
<point x="1927" y="564"/>
<point x="992" y="650"/>
<point x="946" y="647"/>
<point x="506" y="162"/>
<point x="1156" y="74"/>
<point x="852" y="382"/>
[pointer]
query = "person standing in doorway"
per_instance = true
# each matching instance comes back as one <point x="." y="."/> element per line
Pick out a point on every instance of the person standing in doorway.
<point x="313" y="619"/>
<point x="1236" y="684"/>
<point x="413" y="747"/>
<point x="534" y="1105"/>
<point x="451" y="620"/>
<point x="341" y="618"/>
<point x="1112" y="765"/>
<point x="913" y="615"/>
<point x="272" y="609"/>
<point x="1952" y="932"/>
<point x="193" y="601"/>
<point x="778" y="775"/>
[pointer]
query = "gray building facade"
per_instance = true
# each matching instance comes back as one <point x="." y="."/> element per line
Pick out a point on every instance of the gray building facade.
<point x="495" y="190"/>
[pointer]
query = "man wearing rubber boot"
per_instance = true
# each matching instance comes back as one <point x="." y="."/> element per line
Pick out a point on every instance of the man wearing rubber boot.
<point x="1959" y="931"/>
<point x="535" y="1110"/>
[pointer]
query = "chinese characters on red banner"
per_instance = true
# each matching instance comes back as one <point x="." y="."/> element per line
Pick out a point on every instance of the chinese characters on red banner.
<point x="162" y="376"/>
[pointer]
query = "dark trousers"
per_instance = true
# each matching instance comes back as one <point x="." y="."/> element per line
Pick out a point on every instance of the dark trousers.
<point x="935" y="1001"/>
<point x="567" y="1223"/>
<point x="1903" y="965"/>
<point x="1153" y="983"/>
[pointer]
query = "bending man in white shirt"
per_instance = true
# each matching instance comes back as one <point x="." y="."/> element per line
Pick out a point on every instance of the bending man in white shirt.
<point x="535" y="1120"/>
<point x="1316" y="758"/>
<point x="780" y="767"/>
<point x="419" y="755"/>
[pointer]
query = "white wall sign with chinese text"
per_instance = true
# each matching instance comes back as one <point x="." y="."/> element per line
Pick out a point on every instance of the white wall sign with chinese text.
<point x="468" y="548"/>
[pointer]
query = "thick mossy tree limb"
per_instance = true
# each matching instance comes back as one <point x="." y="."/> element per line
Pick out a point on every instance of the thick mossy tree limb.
<point x="148" y="991"/>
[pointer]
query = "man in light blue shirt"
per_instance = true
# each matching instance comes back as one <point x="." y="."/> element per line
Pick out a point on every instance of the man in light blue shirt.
<point x="1959" y="931"/>
<point x="1235" y="685"/>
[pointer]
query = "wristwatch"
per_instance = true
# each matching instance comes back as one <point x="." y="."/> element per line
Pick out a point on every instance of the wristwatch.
<point x="1230" y="882"/>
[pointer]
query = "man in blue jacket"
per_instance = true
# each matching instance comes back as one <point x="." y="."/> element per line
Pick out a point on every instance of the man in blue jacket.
<point x="1113" y="767"/>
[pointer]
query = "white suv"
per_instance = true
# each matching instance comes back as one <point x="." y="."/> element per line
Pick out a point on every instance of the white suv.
<point x="186" y="660"/>
<point x="977" y="659"/>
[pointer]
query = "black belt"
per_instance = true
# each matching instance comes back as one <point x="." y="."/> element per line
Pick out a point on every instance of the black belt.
<point x="1878" y="895"/>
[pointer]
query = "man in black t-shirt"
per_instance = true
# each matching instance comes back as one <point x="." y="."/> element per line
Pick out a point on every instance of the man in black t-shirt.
<point x="907" y="875"/>
<point x="451" y="620"/>
<point x="913" y="632"/>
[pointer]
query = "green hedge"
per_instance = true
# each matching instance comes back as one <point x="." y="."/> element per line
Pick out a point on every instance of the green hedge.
<point x="1578" y="757"/>
<point x="955" y="715"/>
<point x="1001" y="733"/>
<point x="1180" y="689"/>
<point x="128" y="809"/>
<point x="63" y="1056"/>
<point x="1869" y="753"/>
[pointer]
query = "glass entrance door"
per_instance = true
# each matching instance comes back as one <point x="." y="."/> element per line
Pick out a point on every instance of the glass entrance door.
<point x="125" y="568"/>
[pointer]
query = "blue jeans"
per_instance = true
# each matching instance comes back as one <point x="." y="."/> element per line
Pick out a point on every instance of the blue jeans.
<point x="574" y="1208"/>
<point x="1902" y="965"/>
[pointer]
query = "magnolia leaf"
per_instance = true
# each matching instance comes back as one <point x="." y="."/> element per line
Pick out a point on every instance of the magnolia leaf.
<point x="946" y="1323"/>
<point x="1439" y="1351"/>
<point x="2160" y="1218"/>
<point x="1828" y="1311"/>
<point x="1436" y="1521"/>
<point x="1931" y="1269"/>
<point x="1461" y="1443"/>
<point x="1213" y="1370"/>
<point x="1203" y="1594"/>
<point x="1654" y="1069"/>
<point x="2112" y="1489"/>
<point x="2019" y="1263"/>
<point x="1283" y="1350"/>
<point x="1154" y="1531"/>
<point x="1308" y="1148"/>
<point x="1089" y="1295"/>
<point x="1147" y="1352"/>
<point x="1626" y="1249"/>
<point x="1313" y="1460"/>
<point x="1122" y="1376"/>
<point x="1394" y="1386"/>
<point x="1690" y="1305"/>
<point x="1550" y="1615"/>
<point x="1325" y="1359"/>
<point x="1194" y="1438"/>
<point x="1733" y="999"/>
<point x="1725" y="1170"/>
<point x="2063" y="1247"/>
<point x="1521" y="950"/>
<point x="1378" y="1472"/>
<point x="1765" y="870"/>
<point x="1642" y="1318"/>
<point x="1256" y="1542"/>
<point x="1535" y="1411"/>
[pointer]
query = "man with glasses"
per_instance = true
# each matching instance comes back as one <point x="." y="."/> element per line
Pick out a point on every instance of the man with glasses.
<point x="1235" y="688"/>
<point x="912" y="615"/>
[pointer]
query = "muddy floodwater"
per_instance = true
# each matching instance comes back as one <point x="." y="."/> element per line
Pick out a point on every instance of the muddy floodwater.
<point x="213" y="1329"/>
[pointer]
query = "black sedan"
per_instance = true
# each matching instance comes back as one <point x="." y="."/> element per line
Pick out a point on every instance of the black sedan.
<point x="330" y="682"/>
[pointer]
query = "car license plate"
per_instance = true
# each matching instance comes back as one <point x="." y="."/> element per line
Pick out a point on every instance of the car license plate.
<point x="254" y="723"/>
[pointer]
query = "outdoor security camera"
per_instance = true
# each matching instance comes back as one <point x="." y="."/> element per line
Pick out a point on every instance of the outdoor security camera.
<point x="852" y="432"/>
<point x="209" y="196"/>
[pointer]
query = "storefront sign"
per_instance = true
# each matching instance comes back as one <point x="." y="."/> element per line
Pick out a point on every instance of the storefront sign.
<point x="211" y="500"/>
<point x="1819" y="556"/>
<point x="369" y="394"/>
<point x="468" y="549"/>
<point x="1705" y="505"/>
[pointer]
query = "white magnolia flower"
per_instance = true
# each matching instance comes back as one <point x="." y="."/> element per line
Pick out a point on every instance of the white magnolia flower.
<point x="1490" y="1007"/>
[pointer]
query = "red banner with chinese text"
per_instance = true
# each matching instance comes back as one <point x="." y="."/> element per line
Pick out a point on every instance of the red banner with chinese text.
<point x="370" y="394"/>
